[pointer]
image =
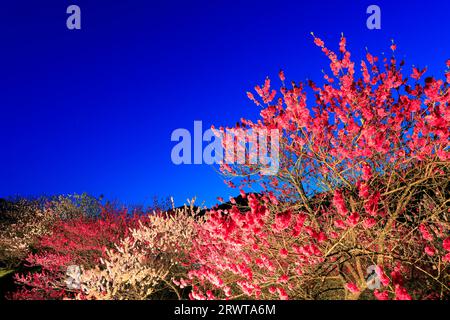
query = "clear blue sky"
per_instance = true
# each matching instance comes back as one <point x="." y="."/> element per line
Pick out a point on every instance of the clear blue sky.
<point x="93" y="109"/>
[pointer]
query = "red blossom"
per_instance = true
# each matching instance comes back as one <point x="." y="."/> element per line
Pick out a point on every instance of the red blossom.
<point x="446" y="244"/>
<point x="352" y="287"/>
<point x="401" y="293"/>
<point x="425" y="233"/>
<point x="318" y="42"/>
<point x="281" y="75"/>
<point x="381" y="295"/>
<point x="430" y="251"/>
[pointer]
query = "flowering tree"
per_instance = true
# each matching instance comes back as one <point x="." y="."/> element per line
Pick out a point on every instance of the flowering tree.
<point x="78" y="241"/>
<point x="22" y="223"/>
<point x="363" y="182"/>
<point x="25" y="221"/>
<point x="143" y="265"/>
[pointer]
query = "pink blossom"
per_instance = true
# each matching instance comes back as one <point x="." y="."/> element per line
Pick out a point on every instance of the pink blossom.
<point x="384" y="279"/>
<point x="369" y="223"/>
<point x="367" y="172"/>
<point x="283" y="253"/>
<point x="283" y="220"/>
<point x="340" y="224"/>
<point x="430" y="251"/>
<point x="446" y="258"/>
<point x="353" y="219"/>
<point x="446" y="244"/>
<point x="425" y="233"/>
<point x="401" y="293"/>
<point x="352" y="287"/>
<point x="318" y="42"/>
<point x="381" y="295"/>
<point x="339" y="203"/>
<point x="283" y="279"/>
<point x="282" y="294"/>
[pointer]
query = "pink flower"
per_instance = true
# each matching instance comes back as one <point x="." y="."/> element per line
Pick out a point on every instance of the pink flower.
<point x="340" y="224"/>
<point x="381" y="295"/>
<point x="397" y="278"/>
<point x="282" y="293"/>
<point x="425" y="233"/>
<point x="214" y="279"/>
<point x="283" y="220"/>
<point x="367" y="172"/>
<point x="363" y="190"/>
<point x="353" y="219"/>
<point x="283" y="279"/>
<point x="401" y="293"/>
<point x="370" y="58"/>
<point x="353" y="288"/>
<point x="417" y="74"/>
<point x="369" y="223"/>
<point x="196" y="295"/>
<point x="339" y="203"/>
<point x="322" y="237"/>
<point x="210" y="295"/>
<point x="300" y="220"/>
<point x="446" y="258"/>
<point x="246" y="287"/>
<point x="430" y="251"/>
<point x="446" y="244"/>
<point x="227" y="291"/>
<point x="371" y="206"/>
<point x="334" y="235"/>
<point x="384" y="279"/>
<point x="283" y="253"/>
<point x="318" y="42"/>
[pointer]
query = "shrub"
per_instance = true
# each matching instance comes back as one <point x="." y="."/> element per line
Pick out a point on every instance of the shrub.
<point x="22" y="223"/>
<point x="363" y="182"/>
<point x="75" y="206"/>
<point x="76" y="241"/>
<point x="143" y="265"/>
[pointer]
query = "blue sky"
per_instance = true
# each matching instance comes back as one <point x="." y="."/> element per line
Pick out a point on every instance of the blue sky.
<point x="92" y="110"/>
